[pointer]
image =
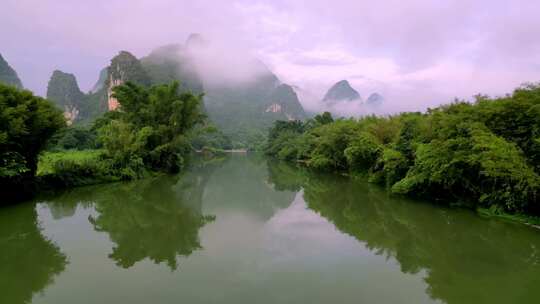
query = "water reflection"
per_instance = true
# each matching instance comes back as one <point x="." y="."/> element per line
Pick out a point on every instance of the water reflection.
<point x="280" y="234"/>
<point x="467" y="260"/>
<point x="28" y="261"/>
<point x="156" y="218"/>
<point x="148" y="220"/>
<point x="242" y="185"/>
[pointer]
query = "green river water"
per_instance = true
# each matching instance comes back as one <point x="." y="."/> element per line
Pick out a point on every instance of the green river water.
<point x="249" y="230"/>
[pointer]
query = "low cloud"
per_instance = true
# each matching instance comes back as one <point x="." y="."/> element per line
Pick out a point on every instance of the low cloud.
<point x="417" y="53"/>
<point x="219" y="63"/>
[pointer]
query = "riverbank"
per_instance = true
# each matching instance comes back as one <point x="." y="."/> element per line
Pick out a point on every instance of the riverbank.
<point x="484" y="153"/>
<point x="364" y="177"/>
<point x="70" y="169"/>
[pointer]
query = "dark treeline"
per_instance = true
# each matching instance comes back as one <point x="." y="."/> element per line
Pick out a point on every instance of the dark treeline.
<point x="484" y="154"/>
<point x="152" y="132"/>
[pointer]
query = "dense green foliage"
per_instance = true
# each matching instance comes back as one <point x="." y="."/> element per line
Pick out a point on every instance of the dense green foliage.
<point x="152" y="131"/>
<point x="485" y="153"/>
<point x="152" y="128"/>
<point x="74" y="138"/>
<point x="244" y="112"/>
<point x="49" y="160"/>
<point x="209" y="137"/>
<point x="26" y="123"/>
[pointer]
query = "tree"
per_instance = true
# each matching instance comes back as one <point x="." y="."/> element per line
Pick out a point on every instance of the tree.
<point x="26" y="124"/>
<point x="324" y="118"/>
<point x="155" y="124"/>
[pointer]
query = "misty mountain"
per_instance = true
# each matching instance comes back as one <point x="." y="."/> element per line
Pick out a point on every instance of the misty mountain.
<point x="375" y="99"/>
<point x="284" y="99"/>
<point x="341" y="91"/>
<point x="242" y="96"/>
<point x="246" y="110"/>
<point x="8" y="74"/>
<point x="168" y="63"/>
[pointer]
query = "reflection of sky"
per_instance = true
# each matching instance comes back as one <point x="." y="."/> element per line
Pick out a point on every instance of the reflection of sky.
<point x="299" y="234"/>
<point x="300" y="248"/>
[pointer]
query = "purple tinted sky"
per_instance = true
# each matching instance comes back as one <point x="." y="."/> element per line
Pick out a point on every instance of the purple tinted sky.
<point x="420" y="52"/>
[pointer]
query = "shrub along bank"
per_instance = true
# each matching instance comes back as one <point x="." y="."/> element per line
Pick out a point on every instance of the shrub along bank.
<point x="484" y="154"/>
<point x="151" y="132"/>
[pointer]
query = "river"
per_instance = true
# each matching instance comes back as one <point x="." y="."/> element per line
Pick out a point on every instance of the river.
<point x="249" y="230"/>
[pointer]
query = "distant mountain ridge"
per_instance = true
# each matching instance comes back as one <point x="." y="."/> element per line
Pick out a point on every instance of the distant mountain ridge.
<point x="8" y="75"/>
<point x="341" y="91"/>
<point x="241" y="109"/>
<point x="343" y="100"/>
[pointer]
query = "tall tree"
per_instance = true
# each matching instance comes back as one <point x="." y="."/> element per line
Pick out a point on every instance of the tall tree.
<point x="26" y="123"/>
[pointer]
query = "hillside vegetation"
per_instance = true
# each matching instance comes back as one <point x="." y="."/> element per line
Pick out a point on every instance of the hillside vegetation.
<point x="152" y="132"/>
<point x="485" y="154"/>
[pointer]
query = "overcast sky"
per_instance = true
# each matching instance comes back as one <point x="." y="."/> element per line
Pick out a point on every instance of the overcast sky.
<point x="418" y="52"/>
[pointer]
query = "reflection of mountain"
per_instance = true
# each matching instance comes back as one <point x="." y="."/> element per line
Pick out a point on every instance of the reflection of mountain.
<point x="241" y="184"/>
<point x="467" y="260"/>
<point x="148" y="219"/>
<point x="28" y="261"/>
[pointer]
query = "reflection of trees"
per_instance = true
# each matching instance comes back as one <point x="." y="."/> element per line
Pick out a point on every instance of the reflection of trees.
<point x="156" y="218"/>
<point x="147" y="219"/>
<point x="284" y="176"/>
<point x="64" y="203"/>
<point x="242" y="184"/>
<point x="466" y="259"/>
<point x="28" y="261"/>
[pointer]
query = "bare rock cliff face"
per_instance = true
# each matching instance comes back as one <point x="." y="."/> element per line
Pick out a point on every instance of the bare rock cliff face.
<point x="124" y="67"/>
<point x="112" y="103"/>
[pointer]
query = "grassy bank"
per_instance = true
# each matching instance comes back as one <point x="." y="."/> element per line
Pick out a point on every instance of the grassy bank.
<point x="74" y="168"/>
<point x="48" y="160"/>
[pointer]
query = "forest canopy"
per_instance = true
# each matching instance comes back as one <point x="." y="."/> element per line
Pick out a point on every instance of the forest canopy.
<point x="485" y="153"/>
